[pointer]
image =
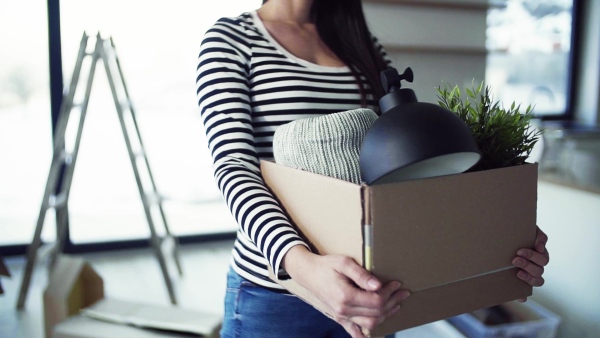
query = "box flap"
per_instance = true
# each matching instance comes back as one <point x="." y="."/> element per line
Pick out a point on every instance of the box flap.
<point x="424" y="254"/>
<point x="85" y="327"/>
<point x="73" y="284"/>
<point x="154" y="316"/>
<point x="64" y="275"/>
<point x="323" y="207"/>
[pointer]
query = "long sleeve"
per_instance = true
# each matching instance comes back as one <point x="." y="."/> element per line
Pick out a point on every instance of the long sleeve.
<point x="225" y="105"/>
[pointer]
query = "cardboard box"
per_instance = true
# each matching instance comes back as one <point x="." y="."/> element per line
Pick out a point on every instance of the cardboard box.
<point x="438" y="329"/>
<point x="73" y="284"/>
<point x="75" y="307"/>
<point x="525" y="320"/>
<point x="86" y="327"/>
<point x="449" y="240"/>
<point x="118" y="318"/>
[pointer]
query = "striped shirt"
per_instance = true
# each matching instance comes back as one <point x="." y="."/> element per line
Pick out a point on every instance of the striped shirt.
<point x="247" y="86"/>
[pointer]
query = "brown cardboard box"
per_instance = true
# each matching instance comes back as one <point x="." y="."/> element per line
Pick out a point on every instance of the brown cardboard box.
<point x="449" y="240"/>
<point x="75" y="307"/>
<point x="73" y="285"/>
<point x="118" y="318"/>
<point x="512" y="319"/>
<point x="86" y="327"/>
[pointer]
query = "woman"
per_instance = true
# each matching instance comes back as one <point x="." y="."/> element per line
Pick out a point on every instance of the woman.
<point x="292" y="59"/>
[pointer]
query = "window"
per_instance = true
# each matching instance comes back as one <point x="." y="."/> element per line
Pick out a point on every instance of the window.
<point x="157" y="44"/>
<point x="529" y="51"/>
<point x="25" y="121"/>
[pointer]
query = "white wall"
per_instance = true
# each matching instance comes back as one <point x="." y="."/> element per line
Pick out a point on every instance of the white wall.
<point x="441" y="43"/>
<point x="571" y="219"/>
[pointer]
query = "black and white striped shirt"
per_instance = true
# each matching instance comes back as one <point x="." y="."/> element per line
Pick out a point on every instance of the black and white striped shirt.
<point x="247" y="86"/>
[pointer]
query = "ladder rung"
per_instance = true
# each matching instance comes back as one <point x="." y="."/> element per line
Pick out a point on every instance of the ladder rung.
<point x="126" y="104"/>
<point x="66" y="157"/>
<point x="57" y="201"/>
<point x="139" y="153"/>
<point x="153" y="198"/>
<point x="167" y="242"/>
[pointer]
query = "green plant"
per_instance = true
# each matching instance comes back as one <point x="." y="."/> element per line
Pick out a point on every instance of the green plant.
<point x="505" y="137"/>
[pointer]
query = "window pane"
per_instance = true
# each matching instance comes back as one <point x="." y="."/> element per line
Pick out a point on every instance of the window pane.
<point x="529" y="45"/>
<point x="25" y="127"/>
<point x="157" y="44"/>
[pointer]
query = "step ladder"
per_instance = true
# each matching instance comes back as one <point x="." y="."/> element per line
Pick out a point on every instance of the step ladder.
<point x="63" y="162"/>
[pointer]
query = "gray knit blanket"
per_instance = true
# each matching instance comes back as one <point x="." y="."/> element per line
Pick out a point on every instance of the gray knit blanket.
<point x="327" y="145"/>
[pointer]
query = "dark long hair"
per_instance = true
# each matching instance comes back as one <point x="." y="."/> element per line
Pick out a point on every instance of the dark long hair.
<point x="342" y="26"/>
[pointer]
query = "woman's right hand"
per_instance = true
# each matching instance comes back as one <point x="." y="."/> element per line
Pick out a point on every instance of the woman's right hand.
<point x="355" y="298"/>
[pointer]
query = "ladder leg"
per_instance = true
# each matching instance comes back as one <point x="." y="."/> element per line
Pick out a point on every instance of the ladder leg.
<point x="33" y="247"/>
<point x="62" y="222"/>
<point x="51" y="185"/>
<point x="176" y="252"/>
<point x="61" y="236"/>
<point x="154" y="240"/>
<point x="57" y="161"/>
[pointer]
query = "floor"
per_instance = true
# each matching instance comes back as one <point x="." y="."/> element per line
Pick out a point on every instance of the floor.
<point x="135" y="275"/>
<point x="128" y="275"/>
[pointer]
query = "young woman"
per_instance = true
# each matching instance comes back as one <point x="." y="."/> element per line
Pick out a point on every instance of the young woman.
<point x="292" y="59"/>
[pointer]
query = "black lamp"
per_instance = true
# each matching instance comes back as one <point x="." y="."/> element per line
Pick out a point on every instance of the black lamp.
<point x="414" y="139"/>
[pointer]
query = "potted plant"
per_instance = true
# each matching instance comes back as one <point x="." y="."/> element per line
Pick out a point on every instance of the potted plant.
<point x="504" y="136"/>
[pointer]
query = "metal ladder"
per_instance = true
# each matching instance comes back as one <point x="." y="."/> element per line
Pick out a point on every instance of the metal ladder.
<point x="64" y="161"/>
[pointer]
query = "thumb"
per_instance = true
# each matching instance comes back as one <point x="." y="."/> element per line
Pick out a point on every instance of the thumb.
<point x="353" y="330"/>
<point x="361" y="277"/>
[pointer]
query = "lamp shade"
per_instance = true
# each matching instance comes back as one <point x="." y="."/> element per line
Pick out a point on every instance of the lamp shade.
<point x="412" y="139"/>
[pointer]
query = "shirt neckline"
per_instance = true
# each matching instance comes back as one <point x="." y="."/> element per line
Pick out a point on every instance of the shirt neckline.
<point x="263" y="30"/>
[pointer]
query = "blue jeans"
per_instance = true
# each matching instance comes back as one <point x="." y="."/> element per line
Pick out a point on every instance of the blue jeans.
<point x="252" y="311"/>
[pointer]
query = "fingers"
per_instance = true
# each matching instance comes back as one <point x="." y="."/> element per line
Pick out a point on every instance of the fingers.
<point x="541" y="259"/>
<point x="532" y="269"/>
<point x="531" y="280"/>
<point x="353" y="329"/>
<point x="532" y="262"/>
<point x="532" y="266"/>
<point x="356" y="298"/>
<point x="371" y="322"/>
<point x="377" y="304"/>
<point x="355" y="325"/>
<point x="359" y="275"/>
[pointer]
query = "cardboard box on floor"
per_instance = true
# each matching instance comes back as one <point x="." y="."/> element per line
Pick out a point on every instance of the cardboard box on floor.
<point x="75" y="307"/>
<point x="449" y="240"/>
<point x="86" y="327"/>
<point x="73" y="285"/>
<point x="512" y="319"/>
<point x="118" y="318"/>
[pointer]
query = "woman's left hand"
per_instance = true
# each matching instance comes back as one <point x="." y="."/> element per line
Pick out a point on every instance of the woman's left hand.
<point x="532" y="262"/>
